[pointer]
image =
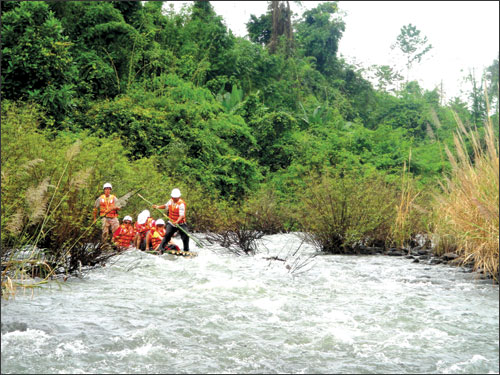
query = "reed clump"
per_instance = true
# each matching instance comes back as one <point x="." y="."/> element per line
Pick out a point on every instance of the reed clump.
<point x="466" y="214"/>
<point x="409" y="214"/>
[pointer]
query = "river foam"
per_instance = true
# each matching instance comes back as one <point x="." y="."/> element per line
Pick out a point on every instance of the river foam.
<point x="223" y="313"/>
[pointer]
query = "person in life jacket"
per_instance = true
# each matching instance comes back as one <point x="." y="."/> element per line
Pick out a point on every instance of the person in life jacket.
<point x="155" y="235"/>
<point x="176" y="208"/>
<point x="142" y="227"/>
<point x="171" y="246"/>
<point x="105" y="205"/>
<point x="124" y="236"/>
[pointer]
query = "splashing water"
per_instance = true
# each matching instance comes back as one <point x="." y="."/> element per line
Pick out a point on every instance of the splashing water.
<point x="220" y="313"/>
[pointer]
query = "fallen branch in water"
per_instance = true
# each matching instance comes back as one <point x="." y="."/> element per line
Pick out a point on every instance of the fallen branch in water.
<point x="293" y="263"/>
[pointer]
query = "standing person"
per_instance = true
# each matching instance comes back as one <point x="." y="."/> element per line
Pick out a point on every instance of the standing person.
<point x="142" y="227"/>
<point x="105" y="204"/>
<point x="124" y="235"/>
<point x="176" y="208"/>
<point x="155" y="235"/>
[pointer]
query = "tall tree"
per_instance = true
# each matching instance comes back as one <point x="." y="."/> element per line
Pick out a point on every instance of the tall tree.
<point x="491" y="76"/>
<point x="387" y="77"/>
<point x="318" y="34"/>
<point x="477" y="99"/>
<point x="281" y="25"/>
<point x="260" y="28"/>
<point x="204" y="45"/>
<point x="102" y="43"/>
<point x="412" y="45"/>
<point x="37" y="63"/>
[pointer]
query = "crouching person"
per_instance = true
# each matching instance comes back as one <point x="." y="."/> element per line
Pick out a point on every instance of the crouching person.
<point x="123" y="237"/>
<point x="155" y="235"/>
<point x="142" y="227"/>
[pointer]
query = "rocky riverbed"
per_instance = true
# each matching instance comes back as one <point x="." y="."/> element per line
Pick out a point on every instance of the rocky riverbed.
<point x="425" y="255"/>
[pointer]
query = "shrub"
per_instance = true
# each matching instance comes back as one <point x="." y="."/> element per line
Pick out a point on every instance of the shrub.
<point x="237" y="226"/>
<point x="341" y="211"/>
<point x="264" y="212"/>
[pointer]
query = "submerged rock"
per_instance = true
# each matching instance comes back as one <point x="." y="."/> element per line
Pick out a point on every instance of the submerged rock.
<point x="14" y="326"/>
<point x="449" y="256"/>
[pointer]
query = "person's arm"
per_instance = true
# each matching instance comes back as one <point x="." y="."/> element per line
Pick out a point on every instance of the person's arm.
<point x="114" y="207"/>
<point x="162" y="207"/>
<point x="140" y="228"/>
<point x="156" y="247"/>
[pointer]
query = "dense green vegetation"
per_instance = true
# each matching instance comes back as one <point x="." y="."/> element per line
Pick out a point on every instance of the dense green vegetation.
<point x="270" y="124"/>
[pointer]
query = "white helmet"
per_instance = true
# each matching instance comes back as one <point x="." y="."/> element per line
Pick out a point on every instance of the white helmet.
<point x="143" y="216"/>
<point x="127" y="218"/>
<point x="160" y="222"/>
<point x="106" y="185"/>
<point x="176" y="193"/>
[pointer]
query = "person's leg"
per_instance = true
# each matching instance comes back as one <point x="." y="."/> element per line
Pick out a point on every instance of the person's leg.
<point x="185" y="237"/>
<point x="105" y="230"/>
<point x="168" y="235"/>
<point x="161" y="248"/>
<point x="115" y="223"/>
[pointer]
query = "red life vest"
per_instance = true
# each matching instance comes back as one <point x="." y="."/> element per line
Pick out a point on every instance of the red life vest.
<point x="143" y="229"/>
<point x="156" y="236"/>
<point x="173" y="211"/>
<point x="123" y="236"/>
<point x="105" y="204"/>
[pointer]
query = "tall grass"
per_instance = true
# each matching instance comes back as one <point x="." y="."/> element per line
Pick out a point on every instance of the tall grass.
<point x="410" y="217"/>
<point x="400" y="230"/>
<point x="467" y="212"/>
<point x="33" y="226"/>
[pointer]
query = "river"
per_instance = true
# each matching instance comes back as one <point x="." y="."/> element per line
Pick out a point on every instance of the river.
<point x="222" y="313"/>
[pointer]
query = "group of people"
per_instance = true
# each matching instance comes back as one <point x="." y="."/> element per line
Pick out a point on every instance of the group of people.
<point x="146" y="233"/>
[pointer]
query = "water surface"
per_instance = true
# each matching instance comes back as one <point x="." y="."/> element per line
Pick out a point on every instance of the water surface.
<point x="221" y="313"/>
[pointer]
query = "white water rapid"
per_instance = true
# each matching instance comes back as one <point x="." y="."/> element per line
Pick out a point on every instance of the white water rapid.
<point x="222" y="313"/>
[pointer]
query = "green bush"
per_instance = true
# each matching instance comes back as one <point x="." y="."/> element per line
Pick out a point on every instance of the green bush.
<point x="341" y="211"/>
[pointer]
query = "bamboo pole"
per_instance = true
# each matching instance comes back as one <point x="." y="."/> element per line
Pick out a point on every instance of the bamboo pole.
<point x="197" y="241"/>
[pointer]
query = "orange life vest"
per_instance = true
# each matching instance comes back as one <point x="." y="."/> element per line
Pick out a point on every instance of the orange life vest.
<point x="156" y="236"/>
<point x="173" y="211"/>
<point x="123" y="236"/>
<point x="106" y="204"/>
<point x="143" y="229"/>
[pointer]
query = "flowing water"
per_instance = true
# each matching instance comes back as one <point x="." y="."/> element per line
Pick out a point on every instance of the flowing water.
<point x="222" y="313"/>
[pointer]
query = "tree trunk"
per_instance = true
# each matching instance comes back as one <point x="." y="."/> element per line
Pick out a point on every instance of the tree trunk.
<point x="281" y="25"/>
